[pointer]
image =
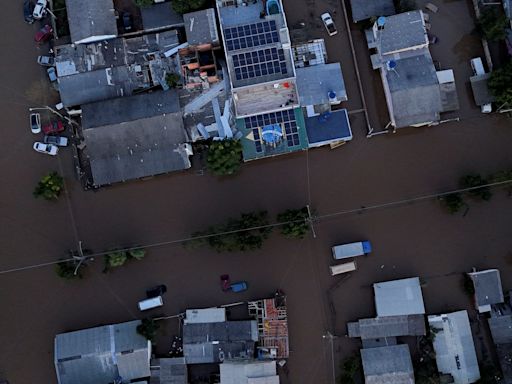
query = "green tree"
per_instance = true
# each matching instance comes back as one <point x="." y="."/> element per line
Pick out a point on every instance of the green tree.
<point x="500" y="84"/>
<point x="137" y="254"/>
<point x="474" y="180"/>
<point x="492" y="23"/>
<point x="350" y="367"/>
<point x="143" y="3"/>
<point x="172" y="79"/>
<point x="148" y="328"/>
<point x="186" y="6"/>
<point x="453" y="202"/>
<point x="224" y="157"/>
<point x="402" y="6"/>
<point x="116" y="259"/>
<point x="298" y="226"/>
<point x="49" y="187"/>
<point x="239" y="240"/>
<point x="66" y="270"/>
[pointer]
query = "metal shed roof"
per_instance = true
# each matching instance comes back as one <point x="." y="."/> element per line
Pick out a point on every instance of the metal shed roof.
<point x="399" y="297"/>
<point x="488" y="289"/>
<point x="388" y="365"/>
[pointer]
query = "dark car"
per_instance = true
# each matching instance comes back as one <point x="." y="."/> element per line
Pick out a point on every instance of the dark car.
<point x="53" y="127"/>
<point x="43" y="34"/>
<point x="159" y="290"/>
<point x="59" y="141"/>
<point x="127" y="21"/>
<point x="28" y="8"/>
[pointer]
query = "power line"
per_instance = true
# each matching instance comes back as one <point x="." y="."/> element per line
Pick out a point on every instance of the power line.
<point x="316" y="218"/>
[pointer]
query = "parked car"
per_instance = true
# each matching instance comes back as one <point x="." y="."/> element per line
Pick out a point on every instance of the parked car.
<point x="239" y="286"/>
<point x="48" y="149"/>
<point x="53" y="127"/>
<point x="43" y="34"/>
<point x="329" y="23"/>
<point x="28" y="9"/>
<point x="40" y="9"/>
<point x="159" y="290"/>
<point x="52" y="74"/>
<point x="46" y="61"/>
<point x="35" y="122"/>
<point x="60" y="141"/>
<point x="127" y="21"/>
<point x="225" y="283"/>
<point x="151" y="303"/>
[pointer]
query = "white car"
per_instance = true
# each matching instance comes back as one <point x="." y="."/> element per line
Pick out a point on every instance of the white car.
<point x="48" y="149"/>
<point x="329" y="23"/>
<point x="40" y="9"/>
<point x="35" y="122"/>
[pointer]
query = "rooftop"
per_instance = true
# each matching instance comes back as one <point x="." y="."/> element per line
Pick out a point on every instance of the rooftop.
<point x="414" y="90"/>
<point x="315" y="82"/>
<point x="91" y="20"/>
<point x="399" y="297"/>
<point x="169" y="371"/>
<point x="101" y="354"/>
<point x="285" y="132"/>
<point x="328" y="128"/>
<point x="213" y="342"/>
<point x="388" y="365"/>
<point x="249" y="372"/>
<point x="401" y="32"/>
<point x="159" y="16"/>
<point x="312" y="52"/>
<point x="152" y="143"/>
<point x="366" y="9"/>
<point x="201" y="27"/>
<point x="388" y="326"/>
<point x="488" y="289"/>
<point x="205" y="315"/>
<point x="454" y="348"/>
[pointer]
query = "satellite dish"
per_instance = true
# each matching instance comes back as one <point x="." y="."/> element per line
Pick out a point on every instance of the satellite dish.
<point x="391" y="64"/>
<point x="381" y="21"/>
<point x="271" y="134"/>
<point x="332" y="95"/>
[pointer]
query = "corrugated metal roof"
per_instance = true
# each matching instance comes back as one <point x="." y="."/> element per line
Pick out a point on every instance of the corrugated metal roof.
<point x="388" y="365"/>
<point x="399" y="297"/>
<point x="91" y="18"/>
<point x="454" y="348"/>
<point x="488" y="289"/>
<point x="249" y="372"/>
<point x="388" y="326"/>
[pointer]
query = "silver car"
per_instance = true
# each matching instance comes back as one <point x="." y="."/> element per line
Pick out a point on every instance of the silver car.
<point x="40" y="9"/>
<point x="35" y="122"/>
<point x="46" y="61"/>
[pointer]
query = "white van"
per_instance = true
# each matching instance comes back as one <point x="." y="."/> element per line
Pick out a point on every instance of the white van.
<point x="478" y="70"/>
<point x="154" y="302"/>
<point x="343" y="268"/>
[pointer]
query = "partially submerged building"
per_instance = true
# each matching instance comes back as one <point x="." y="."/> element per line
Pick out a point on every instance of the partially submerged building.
<point x="207" y="341"/>
<point x="272" y="320"/>
<point x="262" y="77"/>
<point x="454" y="348"/>
<point x="367" y="9"/>
<point x="488" y="290"/>
<point x="399" y="297"/>
<point x="388" y="365"/>
<point x="249" y="372"/>
<point x="135" y="137"/>
<point x="102" y="355"/>
<point x="411" y="85"/>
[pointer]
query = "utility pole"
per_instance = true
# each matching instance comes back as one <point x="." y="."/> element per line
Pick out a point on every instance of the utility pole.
<point x="331" y="338"/>
<point x="81" y="258"/>
<point x="310" y="220"/>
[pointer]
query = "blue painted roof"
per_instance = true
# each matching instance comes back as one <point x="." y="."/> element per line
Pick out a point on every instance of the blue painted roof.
<point x="326" y="129"/>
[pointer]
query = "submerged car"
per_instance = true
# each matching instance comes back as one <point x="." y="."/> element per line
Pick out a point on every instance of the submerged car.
<point x="52" y="74"/>
<point x="48" y="149"/>
<point x="46" y="61"/>
<point x="35" y="122"/>
<point x="239" y="286"/>
<point x="43" y="34"/>
<point x="28" y="9"/>
<point x="59" y="141"/>
<point x="329" y="23"/>
<point x="40" y="9"/>
<point x="53" y="127"/>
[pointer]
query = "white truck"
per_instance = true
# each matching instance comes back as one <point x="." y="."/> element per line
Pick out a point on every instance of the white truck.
<point x="479" y="85"/>
<point x="343" y="268"/>
<point x="346" y="251"/>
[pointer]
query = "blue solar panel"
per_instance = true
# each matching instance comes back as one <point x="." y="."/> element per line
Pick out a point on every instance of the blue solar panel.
<point x="251" y="35"/>
<point x="263" y="62"/>
<point x="285" y="119"/>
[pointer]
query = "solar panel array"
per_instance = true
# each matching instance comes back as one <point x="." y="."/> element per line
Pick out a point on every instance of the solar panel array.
<point x="251" y="35"/>
<point x="267" y="61"/>
<point x="283" y="118"/>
